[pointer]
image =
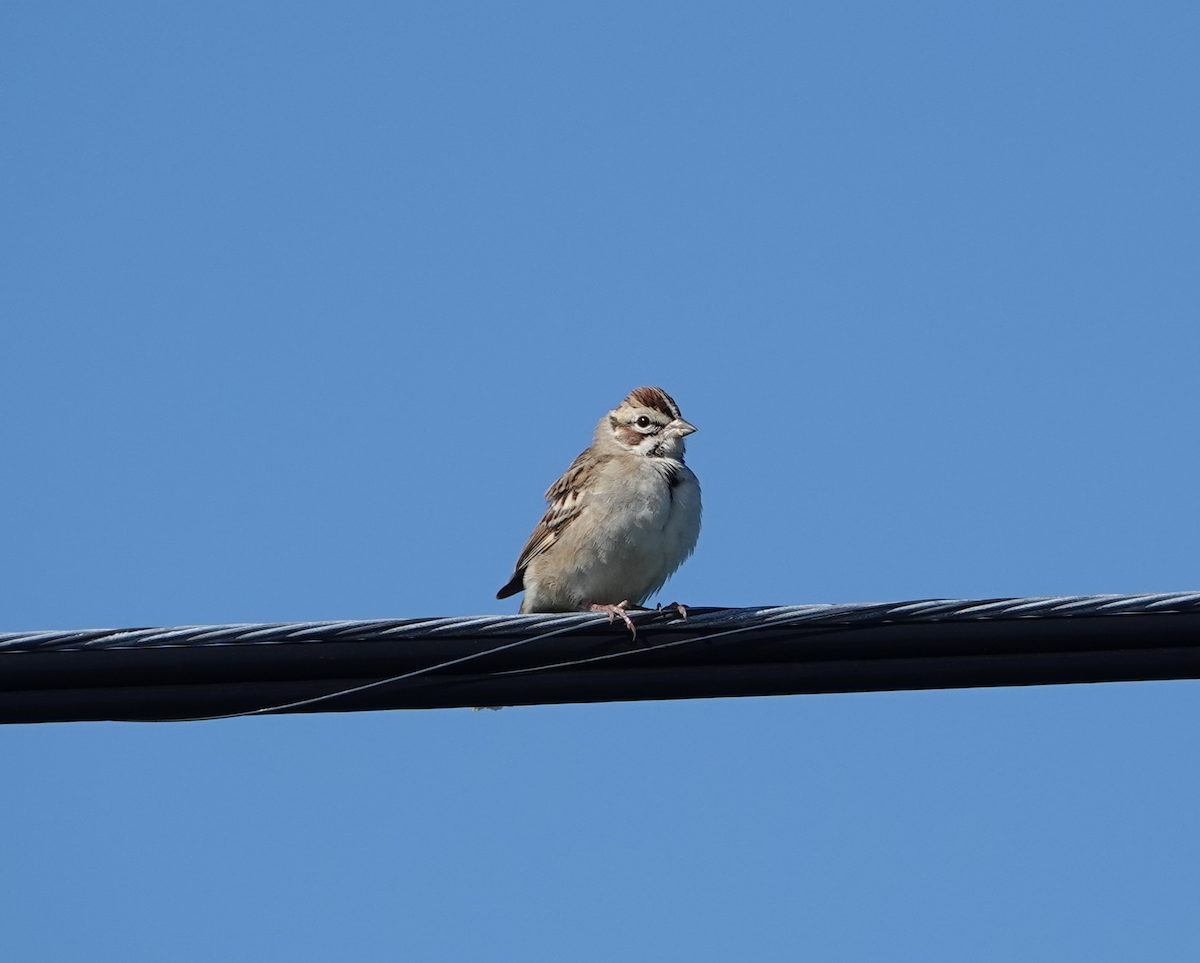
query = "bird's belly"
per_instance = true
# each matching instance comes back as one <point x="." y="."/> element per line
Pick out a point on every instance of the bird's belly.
<point x="634" y="541"/>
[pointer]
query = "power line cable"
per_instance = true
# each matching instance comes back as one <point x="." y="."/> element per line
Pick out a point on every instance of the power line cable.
<point x="224" y="671"/>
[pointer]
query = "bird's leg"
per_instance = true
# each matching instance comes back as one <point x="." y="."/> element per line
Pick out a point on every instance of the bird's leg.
<point x="680" y="610"/>
<point x="612" y="611"/>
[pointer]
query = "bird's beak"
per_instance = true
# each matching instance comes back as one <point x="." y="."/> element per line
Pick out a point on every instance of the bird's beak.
<point x="682" y="426"/>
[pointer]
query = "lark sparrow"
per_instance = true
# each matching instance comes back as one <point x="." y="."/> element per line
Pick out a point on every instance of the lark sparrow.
<point x="621" y="520"/>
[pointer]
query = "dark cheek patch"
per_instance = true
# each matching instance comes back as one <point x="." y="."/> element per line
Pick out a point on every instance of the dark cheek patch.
<point x="629" y="436"/>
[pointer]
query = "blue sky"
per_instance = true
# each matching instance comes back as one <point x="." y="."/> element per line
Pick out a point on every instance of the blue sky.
<point x="303" y="306"/>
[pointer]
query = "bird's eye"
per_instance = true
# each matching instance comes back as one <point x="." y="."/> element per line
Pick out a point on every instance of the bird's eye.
<point x="642" y="422"/>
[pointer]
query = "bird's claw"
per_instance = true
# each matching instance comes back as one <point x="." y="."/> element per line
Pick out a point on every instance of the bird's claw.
<point x="680" y="610"/>
<point x="612" y="611"/>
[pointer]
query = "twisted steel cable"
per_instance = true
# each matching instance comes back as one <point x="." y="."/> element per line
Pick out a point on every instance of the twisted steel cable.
<point x="218" y="671"/>
<point x="702" y="620"/>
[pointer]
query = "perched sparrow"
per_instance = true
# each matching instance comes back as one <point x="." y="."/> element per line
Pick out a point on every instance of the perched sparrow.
<point x="621" y="520"/>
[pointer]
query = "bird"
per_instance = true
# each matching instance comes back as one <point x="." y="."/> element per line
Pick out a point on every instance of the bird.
<point x="621" y="520"/>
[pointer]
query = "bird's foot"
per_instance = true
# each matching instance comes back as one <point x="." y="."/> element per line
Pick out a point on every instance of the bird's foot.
<point x="612" y="611"/>
<point x="680" y="610"/>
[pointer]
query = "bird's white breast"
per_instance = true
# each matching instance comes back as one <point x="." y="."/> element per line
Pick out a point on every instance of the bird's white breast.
<point x="641" y="522"/>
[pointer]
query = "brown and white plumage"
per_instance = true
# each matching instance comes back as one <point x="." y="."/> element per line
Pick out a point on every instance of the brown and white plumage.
<point x="621" y="520"/>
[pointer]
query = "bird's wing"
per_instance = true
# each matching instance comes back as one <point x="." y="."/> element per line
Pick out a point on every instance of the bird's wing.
<point x="567" y="499"/>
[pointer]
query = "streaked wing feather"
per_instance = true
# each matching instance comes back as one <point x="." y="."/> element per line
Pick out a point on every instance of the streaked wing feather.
<point x="566" y="500"/>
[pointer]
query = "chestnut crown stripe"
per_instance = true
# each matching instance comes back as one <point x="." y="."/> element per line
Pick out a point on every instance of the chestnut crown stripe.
<point x="654" y="398"/>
